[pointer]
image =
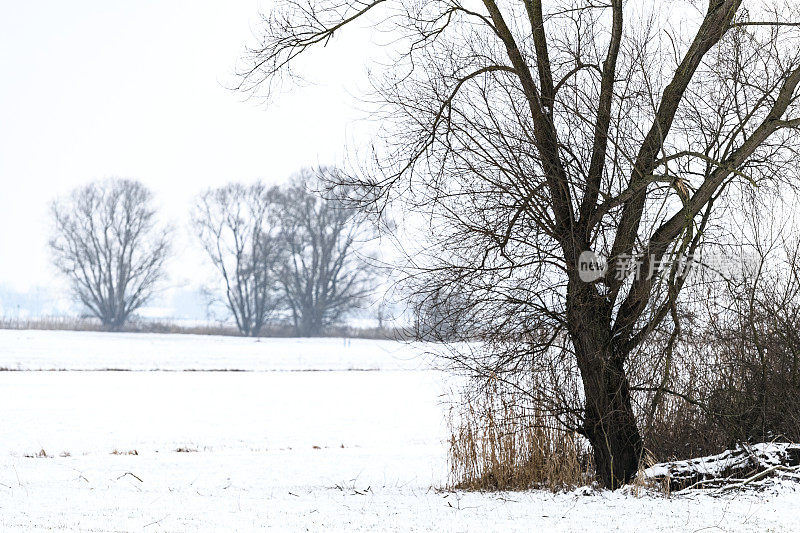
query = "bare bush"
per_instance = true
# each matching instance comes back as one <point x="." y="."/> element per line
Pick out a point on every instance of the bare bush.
<point x="756" y="347"/>
<point x="729" y="373"/>
<point x="751" y="341"/>
<point x="106" y="242"/>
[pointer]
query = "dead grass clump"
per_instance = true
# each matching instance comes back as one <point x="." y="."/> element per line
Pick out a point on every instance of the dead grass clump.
<point x="41" y="454"/>
<point x="129" y="452"/>
<point x="643" y="485"/>
<point x="496" y="444"/>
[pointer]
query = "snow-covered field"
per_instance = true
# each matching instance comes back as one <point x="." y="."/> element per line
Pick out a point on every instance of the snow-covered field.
<point x="273" y="445"/>
<point x="83" y="350"/>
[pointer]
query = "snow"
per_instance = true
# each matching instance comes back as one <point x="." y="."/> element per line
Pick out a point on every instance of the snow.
<point x="83" y="350"/>
<point x="763" y="454"/>
<point x="728" y="466"/>
<point x="275" y="449"/>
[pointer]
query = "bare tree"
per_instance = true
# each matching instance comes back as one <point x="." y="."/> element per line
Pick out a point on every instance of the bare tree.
<point x="324" y="277"/>
<point x="238" y="227"/>
<point x="529" y="134"/>
<point x="108" y="245"/>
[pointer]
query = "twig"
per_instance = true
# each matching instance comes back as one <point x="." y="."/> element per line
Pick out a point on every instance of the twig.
<point x="156" y="522"/>
<point x="706" y="482"/>
<point x="759" y="475"/>
<point x="131" y="474"/>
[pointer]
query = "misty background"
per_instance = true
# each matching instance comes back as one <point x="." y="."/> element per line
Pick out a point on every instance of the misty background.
<point x="142" y="90"/>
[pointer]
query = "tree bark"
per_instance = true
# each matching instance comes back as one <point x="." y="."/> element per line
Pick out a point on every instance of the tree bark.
<point x="609" y="421"/>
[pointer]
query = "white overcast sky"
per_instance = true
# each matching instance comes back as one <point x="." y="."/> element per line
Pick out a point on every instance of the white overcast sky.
<point x="136" y="89"/>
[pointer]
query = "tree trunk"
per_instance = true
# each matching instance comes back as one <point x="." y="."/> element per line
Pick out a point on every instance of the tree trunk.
<point x="609" y="420"/>
<point x="610" y="423"/>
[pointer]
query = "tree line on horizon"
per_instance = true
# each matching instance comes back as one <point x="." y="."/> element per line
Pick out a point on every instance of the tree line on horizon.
<point x="289" y="249"/>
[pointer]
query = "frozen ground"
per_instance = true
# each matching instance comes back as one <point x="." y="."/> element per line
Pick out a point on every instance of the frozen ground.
<point x="85" y="350"/>
<point x="339" y="449"/>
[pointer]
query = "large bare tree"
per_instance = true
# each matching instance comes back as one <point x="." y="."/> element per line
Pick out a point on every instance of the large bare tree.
<point x="529" y="132"/>
<point x="106" y="241"/>
<point x="324" y="276"/>
<point x="239" y="229"/>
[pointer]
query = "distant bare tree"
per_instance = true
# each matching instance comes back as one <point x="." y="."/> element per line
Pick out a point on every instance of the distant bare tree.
<point x="527" y="133"/>
<point x="107" y="243"/>
<point x="323" y="277"/>
<point x="238" y="227"/>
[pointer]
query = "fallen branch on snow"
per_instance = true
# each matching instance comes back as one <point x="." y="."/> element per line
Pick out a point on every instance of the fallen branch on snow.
<point x="730" y="470"/>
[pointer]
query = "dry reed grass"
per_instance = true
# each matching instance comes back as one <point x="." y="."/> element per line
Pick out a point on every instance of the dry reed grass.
<point x="497" y="445"/>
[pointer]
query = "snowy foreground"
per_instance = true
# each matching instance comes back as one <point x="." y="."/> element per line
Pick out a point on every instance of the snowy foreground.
<point x="308" y="434"/>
